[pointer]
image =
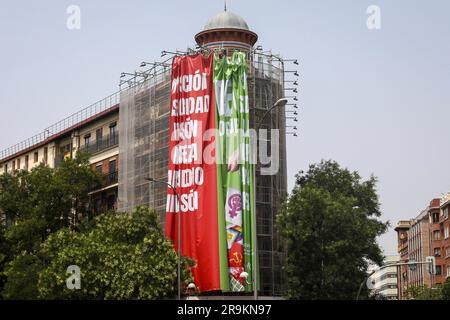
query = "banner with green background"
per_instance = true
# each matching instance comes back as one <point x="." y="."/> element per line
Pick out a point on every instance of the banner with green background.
<point x="234" y="172"/>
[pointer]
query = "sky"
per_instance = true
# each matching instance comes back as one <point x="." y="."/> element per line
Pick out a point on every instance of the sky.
<point x="376" y="101"/>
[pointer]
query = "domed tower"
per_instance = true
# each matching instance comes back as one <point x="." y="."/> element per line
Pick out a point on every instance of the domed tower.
<point x="227" y="30"/>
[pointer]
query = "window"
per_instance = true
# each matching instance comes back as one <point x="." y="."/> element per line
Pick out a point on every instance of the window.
<point x="438" y="270"/>
<point x="447" y="252"/>
<point x="98" y="168"/>
<point x="437" y="235"/>
<point x="111" y="202"/>
<point x="446" y="233"/>
<point x="26" y="162"/>
<point x="112" y="172"/>
<point x="112" y="129"/>
<point x="393" y="275"/>
<point x="392" y="286"/>
<point x="99" y="134"/>
<point x="435" y="217"/>
<point x="6" y="168"/>
<point x="112" y="166"/>
<point x="13" y="166"/>
<point x="448" y="271"/>
<point x="445" y="212"/>
<point x="18" y="164"/>
<point x="87" y="139"/>
<point x="66" y="151"/>
<point x="36" y="156"/>
<point x="437" y="252"/>
<point x="45" y="155"/>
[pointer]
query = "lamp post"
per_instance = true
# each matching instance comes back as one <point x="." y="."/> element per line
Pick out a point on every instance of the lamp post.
<point x="179" y="230"/>
<point x="280" y="103"/>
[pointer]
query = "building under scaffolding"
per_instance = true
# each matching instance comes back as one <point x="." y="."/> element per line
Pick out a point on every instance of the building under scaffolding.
<point x="144" y="139"/>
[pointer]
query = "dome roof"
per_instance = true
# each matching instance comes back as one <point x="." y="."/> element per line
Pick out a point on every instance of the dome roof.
<point x="225" y="20"/>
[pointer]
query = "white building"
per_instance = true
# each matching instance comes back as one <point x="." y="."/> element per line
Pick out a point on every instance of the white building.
<point x="384" y="282"/>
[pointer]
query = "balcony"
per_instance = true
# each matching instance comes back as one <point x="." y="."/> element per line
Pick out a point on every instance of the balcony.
<point x="101" y="144"/>
<point x="106" y="181"/>
<point x="110" y="178"/>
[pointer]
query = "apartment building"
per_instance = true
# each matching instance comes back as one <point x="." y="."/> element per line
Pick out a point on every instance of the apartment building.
<point x="419" y="249"/>
<point x="445" y="208"/>
<point x="384" y="281"/>
<point x="403" y="251"/>
<point x="426" y="235"/>
<point x="413" y="238"/>
<point x="440" y="238"/>
<point x="93" y="130"/>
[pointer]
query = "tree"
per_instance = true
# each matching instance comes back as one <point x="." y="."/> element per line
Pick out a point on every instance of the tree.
<point x="121" y="256"/>
<point x="330" y="224"/>
<point x="22" y="274"/>
<point x="446" y="289"/>
<point x="4" y="255"/>
<point x="35" y="203"/>
<point x="424" y="293"/>
<point x="43" y="200"/>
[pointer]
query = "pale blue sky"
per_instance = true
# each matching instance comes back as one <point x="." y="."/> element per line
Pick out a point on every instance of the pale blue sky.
<point x="375" y="101"/>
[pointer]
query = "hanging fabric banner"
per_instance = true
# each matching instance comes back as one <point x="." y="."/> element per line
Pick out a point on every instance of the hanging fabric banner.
<point x="192" y="113"/>
<point x="235" y="172"/>
<point x="209" y="166"/>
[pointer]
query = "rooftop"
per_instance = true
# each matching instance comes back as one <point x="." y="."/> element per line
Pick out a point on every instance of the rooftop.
<point x="80" y="118"/>
<point x="226" y="20"/>
<point x="403" y="224"/>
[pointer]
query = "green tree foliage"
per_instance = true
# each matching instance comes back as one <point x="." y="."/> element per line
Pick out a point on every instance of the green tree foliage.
<point x="446" y="289"/>
<point x="22" y="273"/>
<point x="424" y="293"/>
<point x="46" y="227"/>
<point x="121" y="256"/>
<point x="330" y="224"/>
<point x="43" y="200"/>
<point x="4" y="254"/>
<point x="34" y="204"/>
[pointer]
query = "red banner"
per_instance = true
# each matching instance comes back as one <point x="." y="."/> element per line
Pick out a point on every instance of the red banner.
<point x="192" y="112"/>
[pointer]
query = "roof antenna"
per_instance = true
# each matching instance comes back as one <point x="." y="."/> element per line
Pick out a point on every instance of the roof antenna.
<point x="225" y="6"/>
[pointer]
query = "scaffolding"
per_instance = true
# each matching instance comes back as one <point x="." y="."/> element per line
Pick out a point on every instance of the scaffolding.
<point x="143" y="152"/>
<point x="266" y="86"/>
<point x="144" y="141"/>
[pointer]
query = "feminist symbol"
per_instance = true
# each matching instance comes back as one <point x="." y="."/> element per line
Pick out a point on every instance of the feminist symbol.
<point x="234" y="202"/>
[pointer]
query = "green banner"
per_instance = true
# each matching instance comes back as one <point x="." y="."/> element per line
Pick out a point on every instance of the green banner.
<point x="234" y="172"/>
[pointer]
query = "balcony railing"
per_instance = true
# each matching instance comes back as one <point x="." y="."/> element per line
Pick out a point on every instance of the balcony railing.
<point x="101" y="144"/>
<point x="110" y="178"/>
<point x="107" y="180"/>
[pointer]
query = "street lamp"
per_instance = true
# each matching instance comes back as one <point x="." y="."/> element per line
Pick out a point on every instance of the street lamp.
<point x="280" y="103"/>
<point x="179" y="229"/>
